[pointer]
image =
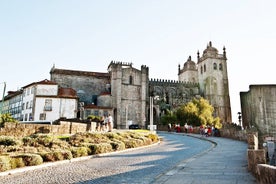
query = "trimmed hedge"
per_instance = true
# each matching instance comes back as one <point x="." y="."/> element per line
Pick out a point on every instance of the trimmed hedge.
<point x="39" y="148"/>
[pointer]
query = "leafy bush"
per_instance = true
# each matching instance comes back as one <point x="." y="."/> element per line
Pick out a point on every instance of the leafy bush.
<point x="5" y="163"/>
<point x="17" y="162"/>
<point x="153" y="137"/>
<point x="6" y="118"/>
<point x="56" y="155"/>
<point x="35" y="149"/>
<point x="7" y="141"/>
<point x="100" y="148"/>
<point x="80" y="151"/>
<point x="94" y="118"/>
<point x="118" y="145"/>
<point x="30" y="159"/>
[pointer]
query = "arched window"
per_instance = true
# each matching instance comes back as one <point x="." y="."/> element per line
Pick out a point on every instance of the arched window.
<point x="204" y="68"/>
<point x="215" y="66"/>
<point x="220" y="67"/>
<point x="130" y="80"/>
<point x="201" y="70"/>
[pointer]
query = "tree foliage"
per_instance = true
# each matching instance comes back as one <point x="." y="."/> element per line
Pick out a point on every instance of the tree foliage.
<point x="6" y="118"/>
<point x="198" y="112"/>
<point x="169" y="117"/>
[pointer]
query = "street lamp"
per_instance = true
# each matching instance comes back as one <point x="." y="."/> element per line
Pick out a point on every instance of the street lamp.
<point x="239" y="117"/>
<point x="151" y="113"/>
<point x="2" y="101"/>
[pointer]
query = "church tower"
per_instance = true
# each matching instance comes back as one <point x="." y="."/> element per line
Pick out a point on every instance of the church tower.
<point x="189" y="72"/>
<point x="213" y="81"/>
<point x="129" y="92"/>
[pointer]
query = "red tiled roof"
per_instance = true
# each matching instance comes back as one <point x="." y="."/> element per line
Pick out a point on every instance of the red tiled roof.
<point x="77" y="72"/>
<point x="45" y="81"/>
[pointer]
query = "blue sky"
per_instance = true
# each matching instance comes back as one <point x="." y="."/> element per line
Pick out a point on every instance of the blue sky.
<point x="88" y="34"/>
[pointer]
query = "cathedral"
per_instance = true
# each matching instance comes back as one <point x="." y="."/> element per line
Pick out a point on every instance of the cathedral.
<point x="124" y="91"/>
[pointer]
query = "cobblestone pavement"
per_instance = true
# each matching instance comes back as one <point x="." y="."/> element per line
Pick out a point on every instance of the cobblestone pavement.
<point x="138" y="166"/>
<point x="226" y="163"/>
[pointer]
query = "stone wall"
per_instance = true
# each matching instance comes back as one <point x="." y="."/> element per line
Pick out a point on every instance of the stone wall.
<point x="88" y="85"/>
<point x="258" y="107"/>
<point x="267" y="172"/>
<point x="21" y="130"/>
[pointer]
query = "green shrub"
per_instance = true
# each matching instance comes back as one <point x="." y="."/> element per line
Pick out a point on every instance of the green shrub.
<point x="46" y="147"/>
<point x="117" y="145"/>
<point x="5" y="163"/>
<point x="48" y="156"/>
<point x="100" y="148"/>
<point x="131" y="143"/>
<point x="63" y="137"/>
<point x="153" y="137"/>
<point x="16" y="148"/>
<point x="80" y="151"/>
<point x="6" y="118"/>
<point x="30" y="159"/>
<point x="67" y="155"/>
<point x="7" y="141"/>
<point x="17" y="162"/>
<point x="56" y="155"/>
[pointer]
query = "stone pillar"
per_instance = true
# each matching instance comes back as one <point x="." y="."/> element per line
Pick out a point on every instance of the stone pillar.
<point x="252" y="140"/>
<point x="255" y="157"/>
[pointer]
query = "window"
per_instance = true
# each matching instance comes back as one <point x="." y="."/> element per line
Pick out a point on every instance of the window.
<point x="31" y="104"/>
<point x="204" y="68"/>
<point x="96" y="113"/>
<point x="26" y="117"/>
<point x="201" y="70"/>
<point x="215" y="66"/>
<point x="42" y="116"/>
<point x="48" y="105"/>
<point x="30" y="117"/>
<point x="23" y="106"/>
<point x="220" y="66"/>
<point x="130" y="79"/>
<point x="27" y="105"/>
<point x="32" y="90"/>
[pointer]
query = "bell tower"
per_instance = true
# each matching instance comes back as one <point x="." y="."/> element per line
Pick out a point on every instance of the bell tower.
<point x="213" y="81"/>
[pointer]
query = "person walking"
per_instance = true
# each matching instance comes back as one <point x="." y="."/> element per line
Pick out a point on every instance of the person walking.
<point x="110" y="123"/>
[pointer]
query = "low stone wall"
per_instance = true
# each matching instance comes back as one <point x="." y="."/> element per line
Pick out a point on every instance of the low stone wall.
<point x="267" y="173"/>
<point x="232" y="133"/>
<point x="255" y="157"/>
<point x="65" y="127"/>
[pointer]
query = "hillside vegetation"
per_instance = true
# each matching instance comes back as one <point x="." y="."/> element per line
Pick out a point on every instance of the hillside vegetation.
<point x="36" y="149"/>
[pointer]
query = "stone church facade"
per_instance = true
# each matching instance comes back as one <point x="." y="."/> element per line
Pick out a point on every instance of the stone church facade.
<point x="124" y="91"/>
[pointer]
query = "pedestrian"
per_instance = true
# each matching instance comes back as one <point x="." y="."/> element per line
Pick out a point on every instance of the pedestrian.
<point x="104" y="127"/>
<point x="186" y="126"/>
<point x="110" y="123"/>
<point x="101" y="127"/>
<point x="169" y="127"/>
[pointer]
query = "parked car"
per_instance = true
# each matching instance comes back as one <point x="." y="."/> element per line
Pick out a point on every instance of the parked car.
<point x="134" y="126"/>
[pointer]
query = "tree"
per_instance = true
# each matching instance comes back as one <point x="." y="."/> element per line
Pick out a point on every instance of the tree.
<point x="198" y="112"/>
<point x="169" y="117"/>
<point x="6" y="118"/>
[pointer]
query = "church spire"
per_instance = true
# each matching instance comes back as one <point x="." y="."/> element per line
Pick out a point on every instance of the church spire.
<point x="224" y="52"/>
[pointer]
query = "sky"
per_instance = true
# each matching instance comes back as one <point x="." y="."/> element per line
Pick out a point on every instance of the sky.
<point x="87" y="35"/>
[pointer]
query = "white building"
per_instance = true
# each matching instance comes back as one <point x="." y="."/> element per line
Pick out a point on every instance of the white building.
<point x="45" y="101"/>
